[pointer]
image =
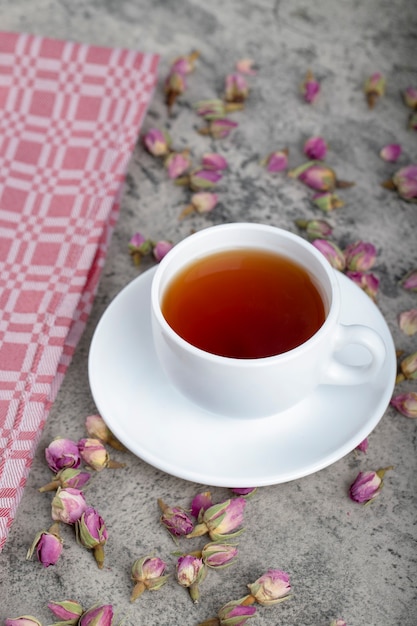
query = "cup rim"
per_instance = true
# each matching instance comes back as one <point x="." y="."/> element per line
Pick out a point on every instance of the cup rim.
<point x="331" y="317"/>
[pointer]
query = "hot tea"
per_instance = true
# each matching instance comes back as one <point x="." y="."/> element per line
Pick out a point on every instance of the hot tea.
<point x="243" y="303"/>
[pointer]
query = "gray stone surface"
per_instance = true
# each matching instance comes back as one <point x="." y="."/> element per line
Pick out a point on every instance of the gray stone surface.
<point x="344" y="559"/>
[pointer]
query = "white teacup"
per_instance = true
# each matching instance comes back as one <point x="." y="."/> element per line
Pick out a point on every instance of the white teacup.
<point x="255" y="387"/>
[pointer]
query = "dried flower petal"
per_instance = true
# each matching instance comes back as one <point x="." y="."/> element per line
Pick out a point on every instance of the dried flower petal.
<point x="410" y="97"/>
<point x="407" y="321"/>
<point x="410" y="280"/>
<point x="374" y="88"/>
<point x="332" y="252"/>
<point x="97" y="616"/>
<point x="214" y="161"/>
<point x="271" y="588"/>
<point x="48" y="546"/>
<point x="221" y="521"/>
<point x="369" y="283"/>
<point x="391" y="152"/>
<point x="157" y="142"/>
<point x="405" y="182"/>
<point x="406" y="403"/>
<point x="360" y="256"/>
<point x="310" y="88"/>
<point x="161" y="248"/>
<point x="201" y="502"/>
<point x="69" y="611"/>
<point x="315" y="229"/>
<point x="315" y="148"/>
<point x="62" y="453"/>
<point x="236" y="88"/>
<point x="148" y="574"/>
<point x="246" y="66"/>
<point x="68" y="505"/>
<point x="175" y="519"/>
<point x="276" y="161"/>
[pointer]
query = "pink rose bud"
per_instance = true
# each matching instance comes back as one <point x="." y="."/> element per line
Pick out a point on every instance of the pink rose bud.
<point x="367" y="485"/>
<point x="157" y="142"/>
<point x="68" y="505"/>
<point x="315" y="148"/>
<point x="406" y="404"/>
<point x="201" y="179"/>
<point x="97" y="616"/>
<point x="148" y="573"/>
<point x="93" y="453"/>
<point x="201" y="502"/>
<point x="363" y="446"/>
<point x="374" y="88"/>
<point x="221" y="521"/>
<point x="409" y="281"/>
<point x="177" y="163"/>
<point x="62" y="453"/>
<point x="391" y="152"/>
<point x="218" y="555"/>
<point x="161" y="248"/>
<point x="276" y="161"/>
<point x="92" y="533"/>
<point x="360" y="256"/>
<point x="139" y="247"/>
<point x="48" y="546"/>
<point x="410" y="97"/>
<point x="185" y="64"/>
<point x="369" y="283"/>
<point x="407" y="321"/>
<point x="67" y="611"/>
<point x="310" y="88"/>
<point x="338" y="622"/>
<point x="236" y="88"/>
<point x="67" y="477"/>
<point x="235" y="614"/>
<point x="409" y="366"/>
<point x="214" y="161"/>
<point x="243" y="491"/>
<point x="246" y="66"/>
<point x="271" y="588"/>
<point x="315" y="175"/>
<point x="332" y="252"/>
<point x="190" y="572"/>
<point x="210" y="109"/>
<point x="327" y="201"/>
<point x="175" y="85"/>
<point x="315" y="229"/>
<point x="175" y="520"/>
<point x="405" y="181"/>
<point x="219" y="128"/>
<point x="98" y="429"/>
<point x="204" y="201"/>
<point x="24" y="620"/>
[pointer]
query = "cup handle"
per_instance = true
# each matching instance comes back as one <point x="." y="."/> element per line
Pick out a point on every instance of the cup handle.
<point x="339" y="373"/>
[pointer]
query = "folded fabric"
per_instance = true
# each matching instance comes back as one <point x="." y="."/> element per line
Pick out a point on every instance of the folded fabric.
<point x="70" y="115"/>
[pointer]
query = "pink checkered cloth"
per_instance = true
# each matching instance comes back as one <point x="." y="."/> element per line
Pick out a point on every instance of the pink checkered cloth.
<point x="70" y="115"/>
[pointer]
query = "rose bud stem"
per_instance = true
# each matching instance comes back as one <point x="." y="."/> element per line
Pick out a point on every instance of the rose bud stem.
<point x="52" y="486"/>
<point x="137" y="591"/>
<point x="344" y="184"/>
<point x="186" y="211"/>
<point x="98" y="552"/>
<point x="115" y="464"/>
<point x="194" y="592"/>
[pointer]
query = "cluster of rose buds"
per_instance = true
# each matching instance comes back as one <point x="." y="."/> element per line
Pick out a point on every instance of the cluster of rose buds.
<point x="70" y="613"/>
<point x="68" y="505"/>
<point x="139" y="246"/>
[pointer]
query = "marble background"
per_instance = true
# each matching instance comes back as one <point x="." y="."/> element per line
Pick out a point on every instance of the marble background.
<point x="344" y="559"/>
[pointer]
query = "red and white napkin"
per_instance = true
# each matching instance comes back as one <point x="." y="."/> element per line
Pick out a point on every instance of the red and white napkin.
<point x="70" y="115"/>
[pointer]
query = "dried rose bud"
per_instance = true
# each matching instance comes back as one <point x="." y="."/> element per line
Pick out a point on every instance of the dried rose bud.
<point x="363" y="446"/>
<point x="92" y="533"/>
<point x="276" y="161"/>
<point x="315" y="229"/>
<point x="157" y="142"/>
<point x="148" y="574"/>
<point x="332" y="252"/>
<point x="214" y="161"/>
<point x="62" y="453"/>
<point x="68" y="505"/>
<point x="246" y="66"/>
<point x="271" y="588"/>
<point x="175" y="85"/>
<point x="369" y="283"/>
<point x="316" y="176"/>
<point x="95" y="455"/>
<point x="23" y="620"/>
<point x="201" y="502"/>
<point x="218" y="128"/>
<point x="407" y="321"/>
<point x="405" y="182"/>
<point x="185" y="64"/>
<point x="221" y="521"/>
<point x="204" y="201"/>
<point x="139" y="247"/>
<point x="338" y="622"/>
<point x="68" y="611"/>
<point x="374" y="88"/>
<point x="310" y="88"/>
<point x="410" y="280"/>
<point x="97" y="428"/>
<point x="48" y="546"/>
<point x="391" y="152"/>
<point x="161" y="248"/>
<point x="190" y="572"/>
<point x="175" y="519"/>
<point x="67" y="477"/>
<point x="235" y="614"/>
<point x="218" y="555"/>
<point x="410" y="97"/>
<point x="360" y="256"/>
<point x="236" y="88"/>
<point x="243" y="491"/>
<point x="315" y="148"/>
<point x="406" y="403"/>
<point x="177" y="163"/>
<point x="97" y="616"/>
<point x="367" y="485"/>
<point x="211" y="109"/>
<point x="409" y="366"/>
<point x="201" y="179"/>
<point x="327" y="201"/>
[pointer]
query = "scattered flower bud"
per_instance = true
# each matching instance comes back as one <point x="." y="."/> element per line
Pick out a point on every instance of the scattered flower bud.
<point x="271" y="588"/>
<point x="148" y="573"/>
<point x="218" y="555"/>
<point x="374" y="88"/>
<point x="236" y="88"/>
<point x="161" y="248"/>
<point x="406" y="403"/>
<point x="310" y="88"/>
<point x="67" y="611"/>
<point x="214" y="161"/>
<point x="246" y="66"/>
<point x="68" y="505"/>
<point x="363" y="446"/>
<point x="410" y="280"/>
<point x="234" y="614"/>
<point x="139" y="247"/>
<point x="157" y="142"/>
<point x="243" y="491"/>
<point x="48" y="546"/>
<point x="221" y="521"/>
<point x="190" y="572"/>
<point x="276" y="161"/>
<point x="175" y="85"/>
<point x="24" y="620"/>
<point x="412" y="121"/>
<point x="332" y="252"/>
<point x="369" y="283"/>
<point x="211" y="109"/>
<point x="317" y="176"/>
<point x="410" y="97"/>
<point x="185" y="64"/>
<point x="407" y="321"/>
<point x="67" y="477"/>
<point x="315" y="148"/>
<point x="201" y="202"/>
<point x="409" y="366"/>
<point x="201" y="179"/>
<point x="391" y="152"/>
<point x="218" y="128"/>
<point x="175" y="520"/>
<point x="62" y="453"/>
<point x="97" y="616"/>
<point x="338" y="622"/>
<point x="327" y="201"/>
<point x="95" y="455"/>
<point x="360" y="256"/>
<point x="177" y="163"/>
<point x="92" y="533"/>
<point x="315" y="229"/>
<point x="201" y="502"/>
<point x="97" y="428"/>
<point x="405" y="182"/>
<point x="367" y="485"/>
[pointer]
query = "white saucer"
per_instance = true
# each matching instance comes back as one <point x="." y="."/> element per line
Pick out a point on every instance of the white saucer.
<point x="163" y="428"/>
